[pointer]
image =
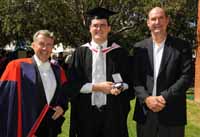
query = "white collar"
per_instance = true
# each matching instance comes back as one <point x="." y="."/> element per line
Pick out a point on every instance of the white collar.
<point x="161" y="44"/>
<point x="40" y="64"/>
<point x="95" y="45"/>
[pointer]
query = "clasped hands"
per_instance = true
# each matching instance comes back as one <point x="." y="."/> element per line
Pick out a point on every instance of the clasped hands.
<point x="107" y="88"/>
<point x="155" y="103"/>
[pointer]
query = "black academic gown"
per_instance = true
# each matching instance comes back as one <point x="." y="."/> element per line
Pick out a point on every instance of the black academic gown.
<point x="83" y="118"/>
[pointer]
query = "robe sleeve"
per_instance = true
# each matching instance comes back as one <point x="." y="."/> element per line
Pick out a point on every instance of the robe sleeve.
<point x="10" y="101"/>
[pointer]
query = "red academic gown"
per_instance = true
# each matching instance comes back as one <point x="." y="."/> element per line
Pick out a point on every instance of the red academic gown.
<point x="22" y="96"/>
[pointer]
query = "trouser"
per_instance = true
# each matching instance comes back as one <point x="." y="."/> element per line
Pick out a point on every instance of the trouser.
<point x="101" y="123"/>
<point x="152" y="128"/>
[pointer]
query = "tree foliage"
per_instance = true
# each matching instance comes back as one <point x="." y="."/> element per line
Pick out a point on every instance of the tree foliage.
<point x="66" y="18"/>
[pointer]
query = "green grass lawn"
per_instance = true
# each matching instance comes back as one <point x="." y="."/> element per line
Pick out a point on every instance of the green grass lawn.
<point x="192" y="128"/>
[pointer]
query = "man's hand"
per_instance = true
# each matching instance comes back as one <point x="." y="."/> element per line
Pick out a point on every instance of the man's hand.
<point x="107" y="88"/>
<point x="115" y="91"/>
<point x="104" y="87"/>
<point x="58" y="112"/>
<point x="155" y="103"/>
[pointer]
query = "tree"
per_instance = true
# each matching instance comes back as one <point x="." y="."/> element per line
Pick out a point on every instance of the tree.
<point x="66" y="18"/>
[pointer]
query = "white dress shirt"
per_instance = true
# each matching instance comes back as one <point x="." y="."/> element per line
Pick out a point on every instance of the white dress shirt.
<point x="158" y="49"/>
<point x="48" y="78"/>
<point x="87" y="87"/>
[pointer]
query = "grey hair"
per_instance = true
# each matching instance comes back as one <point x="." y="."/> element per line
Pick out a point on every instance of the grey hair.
<point x="46" y="33"/>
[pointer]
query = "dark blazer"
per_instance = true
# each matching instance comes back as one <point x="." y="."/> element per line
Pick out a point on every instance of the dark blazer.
<point x="174" y="78"/>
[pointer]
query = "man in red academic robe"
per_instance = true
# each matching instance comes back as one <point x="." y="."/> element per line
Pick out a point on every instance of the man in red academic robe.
<point x="26" y="86"/>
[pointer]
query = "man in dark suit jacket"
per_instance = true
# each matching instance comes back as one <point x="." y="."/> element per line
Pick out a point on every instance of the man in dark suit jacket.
<point x="162" y="74"/>
<point x="26" y="86"/>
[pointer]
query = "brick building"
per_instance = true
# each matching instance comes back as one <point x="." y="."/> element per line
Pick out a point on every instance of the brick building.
<point x="197" y="63"/>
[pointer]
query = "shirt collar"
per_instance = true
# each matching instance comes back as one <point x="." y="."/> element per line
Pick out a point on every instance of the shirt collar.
<point x="40" y="64"/>
<point x="95" y="45"/>
<point x="161" y="44"/>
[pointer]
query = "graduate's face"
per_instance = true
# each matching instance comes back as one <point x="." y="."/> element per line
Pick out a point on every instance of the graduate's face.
<point x="99" y="30"/>
<point x="157" y="21"/>
<point x="43" y="47"/>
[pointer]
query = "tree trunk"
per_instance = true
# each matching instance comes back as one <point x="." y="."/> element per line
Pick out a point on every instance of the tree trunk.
<point x="197" y="63"/>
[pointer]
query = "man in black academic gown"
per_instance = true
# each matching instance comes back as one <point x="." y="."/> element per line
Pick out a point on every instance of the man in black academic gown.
<point x="101" y="70"/>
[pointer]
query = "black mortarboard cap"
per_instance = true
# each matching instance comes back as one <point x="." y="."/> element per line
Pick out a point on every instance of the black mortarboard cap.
<point x="100" y="13"/>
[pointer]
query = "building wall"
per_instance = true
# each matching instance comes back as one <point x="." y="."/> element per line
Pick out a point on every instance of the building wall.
<point x="197" y="63"/>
